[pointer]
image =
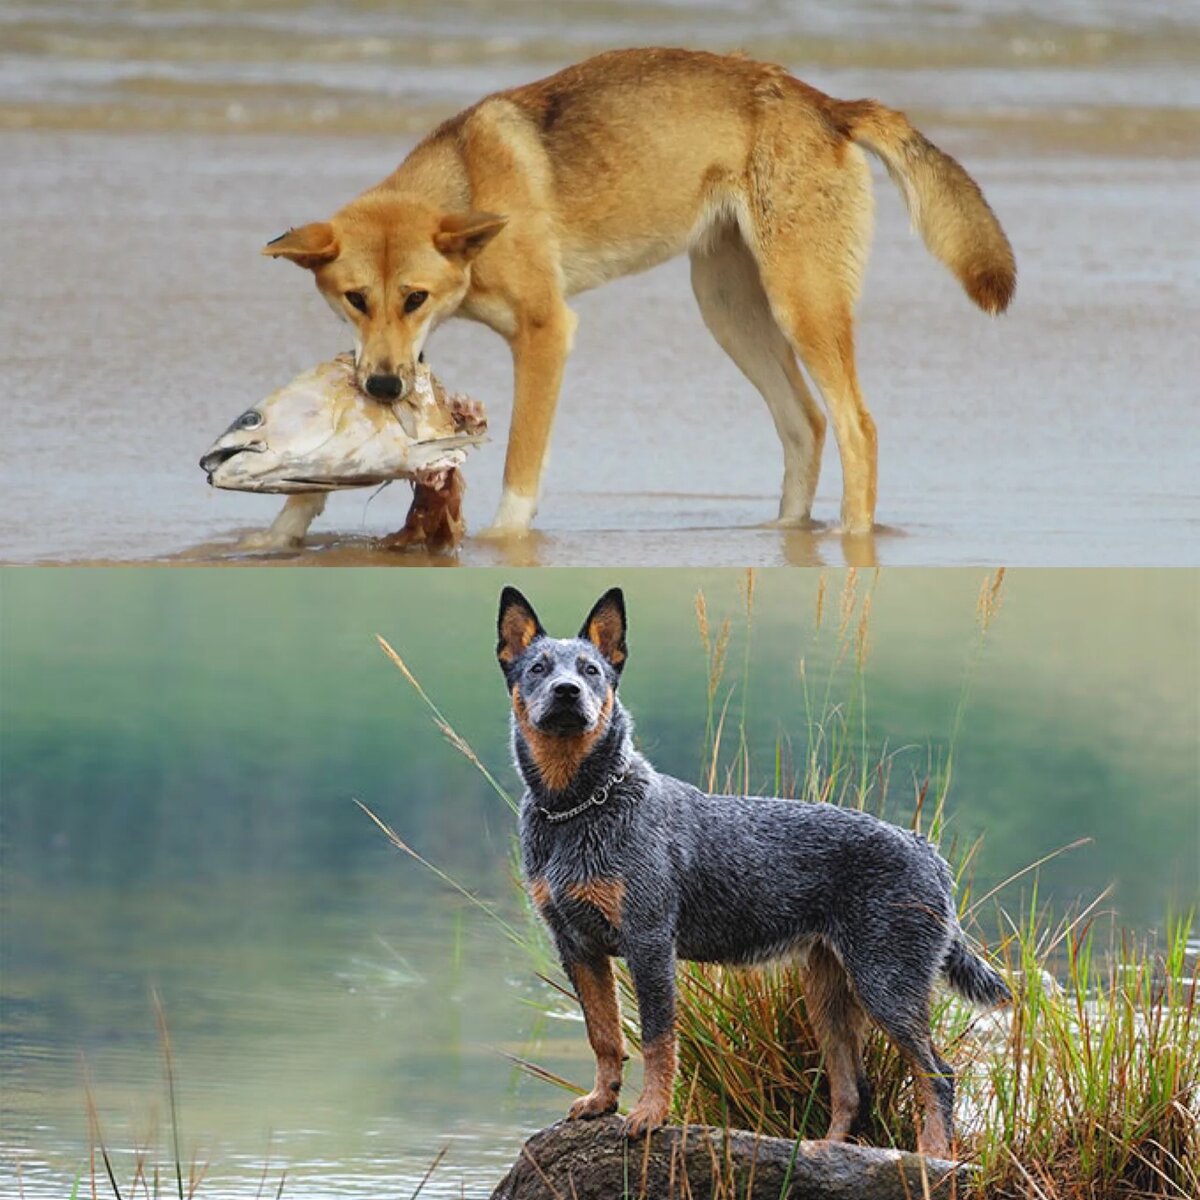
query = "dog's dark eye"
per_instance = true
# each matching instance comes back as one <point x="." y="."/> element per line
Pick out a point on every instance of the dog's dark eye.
<point x="592" y="669"/>
<point x="537" y="668"/>
<point x="357" y="300"/>
<point x="414" y="300"/>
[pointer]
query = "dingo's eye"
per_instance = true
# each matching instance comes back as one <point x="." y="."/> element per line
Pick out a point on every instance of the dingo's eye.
<point x="249" y="420"/>
<point x="357" y="300"/>
<point x="414" y="300"/>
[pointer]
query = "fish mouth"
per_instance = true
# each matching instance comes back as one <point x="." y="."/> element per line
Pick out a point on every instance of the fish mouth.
<point x="218" y="456"/>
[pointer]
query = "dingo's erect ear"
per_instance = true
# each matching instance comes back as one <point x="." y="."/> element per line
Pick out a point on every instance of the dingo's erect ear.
<point x="309" y="246"/>
<point x="605" y="627"/>
<point x="518" y="626"/>
<point x="463" y="235"/>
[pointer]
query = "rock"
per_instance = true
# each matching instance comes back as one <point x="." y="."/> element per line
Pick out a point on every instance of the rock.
<point x="591" y="1160"/>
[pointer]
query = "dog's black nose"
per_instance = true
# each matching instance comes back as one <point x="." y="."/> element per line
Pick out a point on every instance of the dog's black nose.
<point x="385" y="387"/>
<point x="566" y="689"/>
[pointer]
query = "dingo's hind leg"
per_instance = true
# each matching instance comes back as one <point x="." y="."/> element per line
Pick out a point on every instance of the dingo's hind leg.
<point x="734" y="306"/>
<point x="815" y="308"/>
<point x="811" y="229"/>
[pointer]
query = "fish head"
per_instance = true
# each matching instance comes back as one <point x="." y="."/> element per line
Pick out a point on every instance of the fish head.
<point x="393" y="267"/>
<point x="296" y="439"/>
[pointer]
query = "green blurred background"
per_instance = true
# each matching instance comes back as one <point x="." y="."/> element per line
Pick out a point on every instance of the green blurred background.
<point x="180" y="750"/>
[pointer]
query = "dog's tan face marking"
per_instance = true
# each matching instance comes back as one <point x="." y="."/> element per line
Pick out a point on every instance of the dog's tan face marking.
<point x="558" y="756"/>
<point x="393" y="267"/>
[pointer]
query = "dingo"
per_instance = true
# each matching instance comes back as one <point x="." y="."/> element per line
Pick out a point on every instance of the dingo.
<point x="613" y="166"/>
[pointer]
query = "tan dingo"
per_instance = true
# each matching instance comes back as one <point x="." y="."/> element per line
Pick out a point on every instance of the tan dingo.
<point x="615" y="165"/>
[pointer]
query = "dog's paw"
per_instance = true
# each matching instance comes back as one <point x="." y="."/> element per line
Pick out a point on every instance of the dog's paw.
<point x="648" y="1115"/>
<point x="596" y="1103"/>
<point x="266" y="541"/>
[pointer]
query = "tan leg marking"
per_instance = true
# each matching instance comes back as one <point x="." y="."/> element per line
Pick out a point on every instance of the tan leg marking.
<point x="558" y="758"/>
<point x="839" y="1024"/>
<point x="596" y="988"/>
<point x="933" y="1138"/>
<point x="607" y="895"/>
<point x="654" y="1104"/>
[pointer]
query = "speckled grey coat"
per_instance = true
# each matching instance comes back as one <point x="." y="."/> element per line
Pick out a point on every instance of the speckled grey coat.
<point x="716" y="878"/>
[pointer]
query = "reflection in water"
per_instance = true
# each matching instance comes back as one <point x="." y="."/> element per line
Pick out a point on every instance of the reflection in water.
<point x="182" y="750"/>
<point x="818" y="545"/>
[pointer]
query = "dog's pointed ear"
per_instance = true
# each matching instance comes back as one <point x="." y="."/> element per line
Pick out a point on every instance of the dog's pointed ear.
<point x="605" y="627"/>
<point x="463" y="235"/>
<point x="309" y="246"/>
<point x="517" y="626"/>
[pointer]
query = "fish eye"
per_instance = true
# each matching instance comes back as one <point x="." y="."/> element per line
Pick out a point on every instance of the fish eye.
<point x="414" y="300"/>
<point x="357" y="300"/>
<point x="249" y="420"/>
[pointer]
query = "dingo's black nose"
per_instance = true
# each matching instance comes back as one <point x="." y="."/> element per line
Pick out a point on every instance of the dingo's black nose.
<point x="385" y="387"/>
<point x="566" y="689"/>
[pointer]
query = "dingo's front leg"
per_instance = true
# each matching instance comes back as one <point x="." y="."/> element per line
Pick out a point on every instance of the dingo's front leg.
<point x="539" y="348"/>
<point x="288" y="529"/>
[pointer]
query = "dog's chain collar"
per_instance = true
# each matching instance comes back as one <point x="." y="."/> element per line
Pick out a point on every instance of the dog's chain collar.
<point x="597" y="798"/>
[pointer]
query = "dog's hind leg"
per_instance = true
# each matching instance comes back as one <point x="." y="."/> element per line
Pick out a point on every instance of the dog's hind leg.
<point x="898" y="1003"/>
<point x="734" y="306"/>
<point x="820" y="325"/>
<point x="811" y="230"/>
<point x="839" y="1023"/>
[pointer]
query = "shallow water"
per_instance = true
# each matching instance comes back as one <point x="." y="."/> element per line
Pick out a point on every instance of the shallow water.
<point x="182" y="750"/>
<point x="153" y="147"/>
<point x="1063" y="434"/>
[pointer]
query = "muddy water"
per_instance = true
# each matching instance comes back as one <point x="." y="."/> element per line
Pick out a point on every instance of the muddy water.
<point x="152" y="147"/>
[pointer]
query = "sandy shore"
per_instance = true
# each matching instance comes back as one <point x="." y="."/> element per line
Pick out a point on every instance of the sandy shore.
<point x="138" y="319"/>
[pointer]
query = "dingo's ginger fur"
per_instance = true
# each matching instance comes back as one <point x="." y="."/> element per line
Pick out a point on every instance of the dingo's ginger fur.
<point x="615" y="165"/>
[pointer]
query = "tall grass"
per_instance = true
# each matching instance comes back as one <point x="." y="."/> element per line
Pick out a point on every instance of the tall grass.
<point x="1085" y="1089"/>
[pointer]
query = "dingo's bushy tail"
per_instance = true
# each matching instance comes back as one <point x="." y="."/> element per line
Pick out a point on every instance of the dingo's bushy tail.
<point x="944" y="202"/>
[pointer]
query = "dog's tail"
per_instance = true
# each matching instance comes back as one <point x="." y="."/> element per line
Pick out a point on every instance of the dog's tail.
<point x="944" y="202"/>
<point x="971" y="977"/>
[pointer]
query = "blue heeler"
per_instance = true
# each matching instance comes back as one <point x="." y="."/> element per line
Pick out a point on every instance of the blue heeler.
<point x="622" y="861"/>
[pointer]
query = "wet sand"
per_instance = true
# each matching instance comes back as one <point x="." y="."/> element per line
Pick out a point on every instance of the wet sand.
<point x="138" y="319"/>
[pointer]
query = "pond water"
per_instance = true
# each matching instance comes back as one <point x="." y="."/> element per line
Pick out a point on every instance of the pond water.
<point x="181" y="751"/>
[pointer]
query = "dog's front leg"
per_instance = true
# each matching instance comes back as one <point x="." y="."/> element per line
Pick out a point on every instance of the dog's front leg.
<point x="597" y="991"/>
<point x="288" y="529"/>
<point x="540" y="347"/>
<point x="652" y="964"/>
